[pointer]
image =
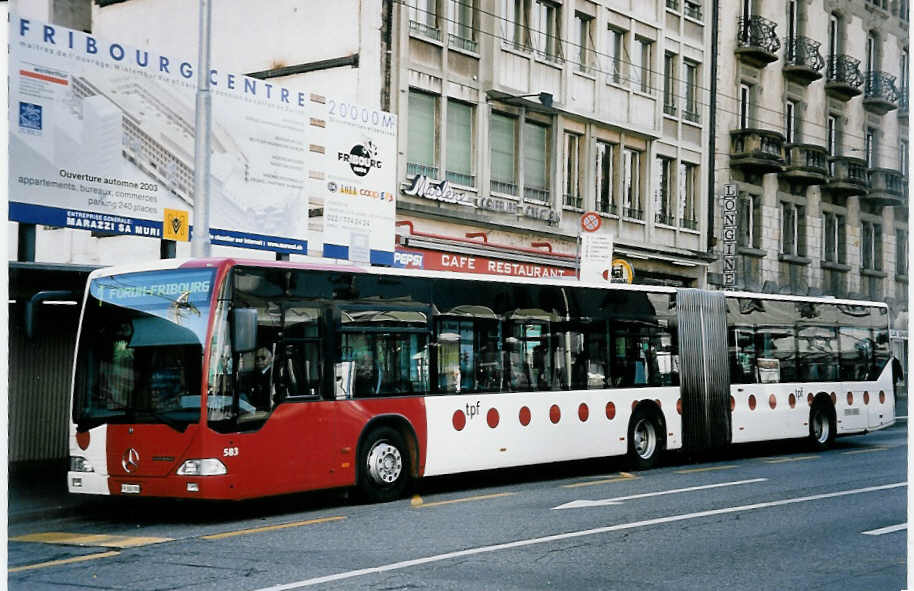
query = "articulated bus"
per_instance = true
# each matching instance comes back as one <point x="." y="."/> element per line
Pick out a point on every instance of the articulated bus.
<point x="230" y="379"/>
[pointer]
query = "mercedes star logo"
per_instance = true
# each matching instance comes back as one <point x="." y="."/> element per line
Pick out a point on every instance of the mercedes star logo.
<point x="130" y="460"/>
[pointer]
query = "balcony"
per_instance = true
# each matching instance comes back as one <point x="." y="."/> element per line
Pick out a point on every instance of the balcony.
<point x="757" y="43"/>
<point x="757" y="150"/>
<point x="802" y="61"/>
<point x="880" y="96"/>
<point x="887" y="188"/>
<point x="848" y="176"/>
<point x="843" y="78"/>
<point x="807" y="164"/>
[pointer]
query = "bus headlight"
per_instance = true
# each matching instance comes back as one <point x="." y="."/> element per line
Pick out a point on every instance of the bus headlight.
<point x="80" y="464"/>
<point x="204" y="467"/>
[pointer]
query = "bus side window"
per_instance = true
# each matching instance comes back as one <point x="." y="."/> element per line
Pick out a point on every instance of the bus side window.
<point x="742" y="356"/>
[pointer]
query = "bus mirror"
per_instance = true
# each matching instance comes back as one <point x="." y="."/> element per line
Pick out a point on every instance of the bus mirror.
<point x="59" y="297"/>
<point x="244" y="329"/>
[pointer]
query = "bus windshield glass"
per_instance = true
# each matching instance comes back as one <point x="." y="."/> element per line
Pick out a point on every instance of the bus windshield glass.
<point x="140" y="350"/>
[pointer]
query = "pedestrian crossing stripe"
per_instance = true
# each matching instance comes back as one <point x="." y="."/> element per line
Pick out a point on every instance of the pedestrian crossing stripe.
<point x="103" y="540"/>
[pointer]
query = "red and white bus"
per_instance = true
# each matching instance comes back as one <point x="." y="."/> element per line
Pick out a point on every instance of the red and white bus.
<point x="230" y="379"/>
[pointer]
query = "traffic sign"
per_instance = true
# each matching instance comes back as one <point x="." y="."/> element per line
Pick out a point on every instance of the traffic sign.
<point x="591" y="221"/>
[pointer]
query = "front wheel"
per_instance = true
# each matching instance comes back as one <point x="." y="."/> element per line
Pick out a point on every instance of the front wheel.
<point x="821" y="426"/>
<point x="383" y="465"/>
<point x="644" y="440"/>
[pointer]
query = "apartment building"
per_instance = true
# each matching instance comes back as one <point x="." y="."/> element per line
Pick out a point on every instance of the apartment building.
<point x="813" y="132"/>
<point x="517" y="116"/>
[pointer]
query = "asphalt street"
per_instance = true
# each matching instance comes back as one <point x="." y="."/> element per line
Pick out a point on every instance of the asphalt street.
<point x="773" y="516"/>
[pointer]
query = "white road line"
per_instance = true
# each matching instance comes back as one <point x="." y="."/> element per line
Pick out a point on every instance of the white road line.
<point x="575" y="534"/>
<point x="886" y="530"/>
<point x="618" y="500"/>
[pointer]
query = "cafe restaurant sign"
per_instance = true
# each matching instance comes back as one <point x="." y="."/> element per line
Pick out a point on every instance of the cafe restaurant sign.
<point x="422" y="186"/>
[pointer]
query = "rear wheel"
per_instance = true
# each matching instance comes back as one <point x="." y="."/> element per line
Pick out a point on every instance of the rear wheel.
<point x="645" y="443"/>
<point x="383" y="465"/>
<point x="821" y="425"/>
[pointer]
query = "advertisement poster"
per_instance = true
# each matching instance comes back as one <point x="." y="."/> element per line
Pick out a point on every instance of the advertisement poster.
<point x="102" y="139"/>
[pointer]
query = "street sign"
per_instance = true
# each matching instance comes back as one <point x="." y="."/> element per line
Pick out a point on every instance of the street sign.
<point x="591" y="221"/>
<point x="729" y="232"/>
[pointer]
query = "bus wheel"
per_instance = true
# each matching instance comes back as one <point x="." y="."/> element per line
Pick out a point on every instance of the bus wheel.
<point x="644" y="441"/>
<point x="821" y="425"/>
<point x="384" y="465"/>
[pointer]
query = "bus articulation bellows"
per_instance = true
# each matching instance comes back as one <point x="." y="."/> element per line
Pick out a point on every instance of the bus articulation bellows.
<point x="231" y="379"/>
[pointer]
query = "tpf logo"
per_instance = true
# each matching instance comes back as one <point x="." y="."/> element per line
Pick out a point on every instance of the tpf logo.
<point x="361" y="158"/>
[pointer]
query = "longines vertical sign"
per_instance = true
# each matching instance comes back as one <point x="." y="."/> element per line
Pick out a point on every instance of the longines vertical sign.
<point x="728" y="200"/>
<point x="101" y="137"/>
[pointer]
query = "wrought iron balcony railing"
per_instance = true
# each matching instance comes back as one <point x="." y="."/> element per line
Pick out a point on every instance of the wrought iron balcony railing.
<point x="503" y="187"/>
<point x="414" y="168"/>
<point x="803" y="59"/>
<point x="881" y="86"/>
<point x="844" y="69"/>
<point x="536" y="194"/>
<point x="459" y="178"/>
<point x="424" y="30"/>
<point x="461" y="42"/>
<point x="758" y="39"/>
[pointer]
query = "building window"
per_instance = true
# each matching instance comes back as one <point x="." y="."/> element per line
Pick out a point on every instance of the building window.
<point x="641" y="65"/>
<point x="584" y="41"/>
<point x="663" y="190"/>
<point x="901" y="252"/>
<point x="869" y="147"/>
<point x="422" y="136"/>
<point x="502" y="146"/>
<point x="691" y="112"/>
<point x="631" y="185"/>
<point x="604" y="177"/>
<point x="460" y="147"/>
<point x="536" y="161"/>
<point x="745" y="105"/>
<point x="669" y="94"/>
<point x="692" y="9"/>
<point x="832" y="130"/>
<point x="615" y="52"/>
<point x="834" y="238"/>
<point x="461" y="14"/>
<point x="423" y="18"/>
<point x="573" y="197"/>
<point x="546" y="27"/>
<point x="903" y="157"/>
<point x="793" y="229"/>
<point x="871" y="246"/>
<point x="515" y="29"/>
<point x="688" y="192"/>
<point x="790" y="121"/>
<point x="750" y="221"/>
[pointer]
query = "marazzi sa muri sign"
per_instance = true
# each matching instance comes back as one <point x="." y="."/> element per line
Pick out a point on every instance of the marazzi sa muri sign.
<point x="435" y="190"/>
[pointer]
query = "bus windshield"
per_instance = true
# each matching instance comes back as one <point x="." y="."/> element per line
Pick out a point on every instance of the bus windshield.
<point x="140" y="350"/>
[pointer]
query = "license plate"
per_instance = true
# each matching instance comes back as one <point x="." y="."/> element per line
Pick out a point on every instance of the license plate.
<point x="130" y="489"/>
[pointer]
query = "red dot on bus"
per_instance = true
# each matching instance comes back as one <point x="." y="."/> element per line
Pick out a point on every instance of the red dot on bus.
<point x="555" y="413"/>
<point x="679" y="405"/>
<point x="492" y="418"/>
<point x="524" y="416"/>
<point x="772" y="401"/>
<point x="881" y="397"/>
<point x="658" y="402"/>
<point x="634" y="404"/>
<point x="834" y="398"/>
<point x="82" y="439"/>
<point x="866" y="397"/>
<point x="809" y="399"/>
<point x="792" y="400"/>
<point x="850" y="398"/>
<point x="732" y="404"/>
<point x="460" y="420"/>
<point x="610" y="411"/>
<point x="583" y="412"/>
<point x="752" y="402"/>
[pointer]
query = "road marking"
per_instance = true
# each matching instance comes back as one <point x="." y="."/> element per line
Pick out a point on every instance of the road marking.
<point x="708" y="469"/>
<point x="416" y="500"/>
<point x="108" y="541"/>
<point x="558" y="537"/>
<point x="864" y="451"/>
<point x="257" y="530"/>
<point x="64" y="561"/>
<point x="622" y="476"/>
<point x="619" y="500"/>
<point x="795" y="459"/>
<point x="886" y="530"/>
<point x="465" y="500"/>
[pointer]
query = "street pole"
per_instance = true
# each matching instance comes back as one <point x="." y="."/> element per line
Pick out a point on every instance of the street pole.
<point x="200" y="244"/>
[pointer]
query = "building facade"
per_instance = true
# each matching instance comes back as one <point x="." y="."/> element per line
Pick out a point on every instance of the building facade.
<point x="812" y="111"/>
